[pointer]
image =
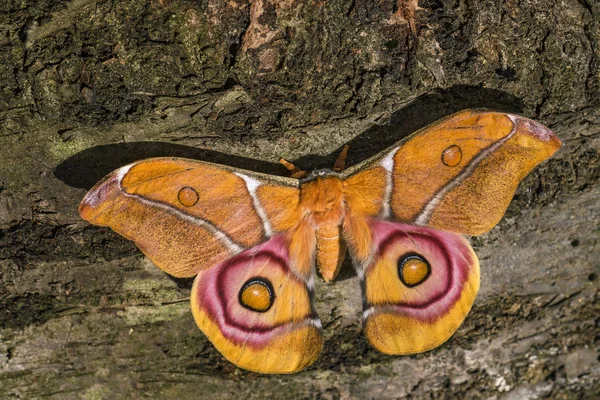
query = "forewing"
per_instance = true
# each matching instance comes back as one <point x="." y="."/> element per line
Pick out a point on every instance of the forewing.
<point x="458" y="174"/>
<point x="188" y="215"/>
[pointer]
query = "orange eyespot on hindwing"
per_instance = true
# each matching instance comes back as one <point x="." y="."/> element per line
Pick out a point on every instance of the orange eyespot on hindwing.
<point x="187" y="196"/>
<point x="257" y="295"/>
<point x="452" y="156"/>
<point x="413" y="269"/>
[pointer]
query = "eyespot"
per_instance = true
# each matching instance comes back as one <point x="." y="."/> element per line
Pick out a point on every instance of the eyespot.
<point x="187" y="196"/>
<point x="413" y="269"/>
<point x="257" y="295"/>
<point x="452" y="156"/>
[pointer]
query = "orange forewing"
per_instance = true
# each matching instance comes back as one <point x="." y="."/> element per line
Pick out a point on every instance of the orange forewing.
<point x="478" y="203"/>
<point x="461" y="173"/>
<point x="167" y="206"/>
<point x="419" y="171"/>
<point x="162" y="181"/>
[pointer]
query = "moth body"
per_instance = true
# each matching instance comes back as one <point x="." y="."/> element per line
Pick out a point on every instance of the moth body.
<point x="322" y="202"/>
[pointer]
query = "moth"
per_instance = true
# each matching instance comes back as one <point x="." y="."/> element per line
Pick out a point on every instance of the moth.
<point x="254" y="241"/>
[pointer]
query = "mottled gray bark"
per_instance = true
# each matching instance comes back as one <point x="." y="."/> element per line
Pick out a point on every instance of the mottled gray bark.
<point x="89" y="85"/>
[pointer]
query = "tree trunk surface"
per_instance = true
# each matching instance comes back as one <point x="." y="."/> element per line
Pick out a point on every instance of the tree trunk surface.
<point x="90" y="85"/>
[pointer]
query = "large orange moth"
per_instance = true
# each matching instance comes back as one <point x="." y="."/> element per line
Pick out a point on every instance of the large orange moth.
<point x="252" y="240"/>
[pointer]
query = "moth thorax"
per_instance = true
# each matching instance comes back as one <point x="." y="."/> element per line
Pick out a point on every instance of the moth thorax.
<point x="330" y="250"/>
<point x="323" y="198"/>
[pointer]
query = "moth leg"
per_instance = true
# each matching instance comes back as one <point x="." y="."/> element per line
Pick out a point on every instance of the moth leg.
<point x="340" y="163"/>
<point x="296" y="172"/>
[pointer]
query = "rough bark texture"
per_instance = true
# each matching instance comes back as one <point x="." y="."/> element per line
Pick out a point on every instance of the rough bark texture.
<point x="89" y="85"/>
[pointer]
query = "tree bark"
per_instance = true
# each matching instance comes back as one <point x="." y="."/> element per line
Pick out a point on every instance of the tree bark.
<point x="90" y="85"/>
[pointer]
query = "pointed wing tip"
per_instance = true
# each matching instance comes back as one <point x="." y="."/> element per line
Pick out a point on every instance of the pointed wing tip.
<point x="93" y="200"/>
<point x="535" y="129"/>
<point x="102" y="192"/>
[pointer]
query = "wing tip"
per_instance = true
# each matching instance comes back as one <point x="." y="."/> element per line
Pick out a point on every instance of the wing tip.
<point x="524" y="125"/>
<point x="537" y="130"/>
<point x="104" y="190"/>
